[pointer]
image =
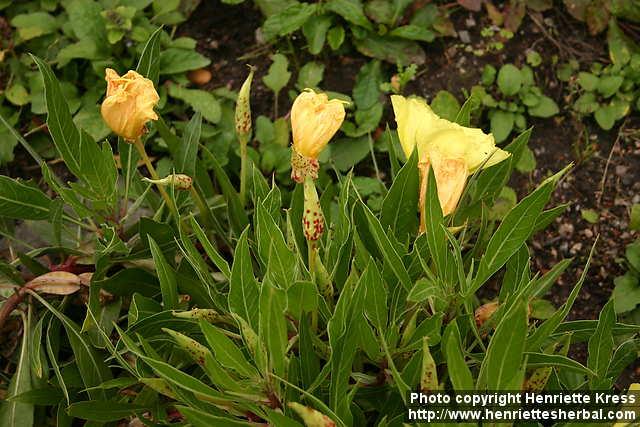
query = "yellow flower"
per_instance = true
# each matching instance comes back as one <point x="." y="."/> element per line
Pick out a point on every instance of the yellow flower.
<point x="452" y="150"/>
<point x="314" y="121"/>
<point x="129" y="103"/>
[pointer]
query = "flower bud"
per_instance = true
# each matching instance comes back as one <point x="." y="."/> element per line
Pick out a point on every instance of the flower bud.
<point x="129" y="103"/>
<point x="178" y="181"/>
<point x="314" y="121"/>
<point x="312" y="217"/>
<point x="243" y="108"/>
<point x="310" y="416"/>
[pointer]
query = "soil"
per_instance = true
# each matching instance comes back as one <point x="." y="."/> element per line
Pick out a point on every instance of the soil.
<point x="606" y="175"/>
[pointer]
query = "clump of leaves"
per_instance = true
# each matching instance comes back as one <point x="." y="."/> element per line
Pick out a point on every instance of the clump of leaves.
<point x="609" y="92"/>
<point x="510" y="95"/>
<point x="81" y="38"/>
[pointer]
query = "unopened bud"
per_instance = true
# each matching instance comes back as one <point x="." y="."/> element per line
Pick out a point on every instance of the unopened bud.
<point x="312" y="217"/>
<point x="310" y="416"/>
<point x="243" y="108"/>
<point x="178" y="181"/>
<point x="484" y="313"/>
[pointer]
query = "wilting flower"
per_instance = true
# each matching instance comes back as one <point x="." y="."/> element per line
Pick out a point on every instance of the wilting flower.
<point x="129" y="103"/>
<point x="453" y="151"/>
<point x="314" y="121"/>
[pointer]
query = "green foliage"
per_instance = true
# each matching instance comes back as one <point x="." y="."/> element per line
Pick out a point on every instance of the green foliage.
<point x="510" y="95"/>
<point x="211" y="308"/>
<point x="610" y="92"/>
<point x="79" y="39"/>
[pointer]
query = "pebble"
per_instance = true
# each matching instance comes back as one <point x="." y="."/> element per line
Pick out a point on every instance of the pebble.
<point x="464" y="36"/>
<point x="565" y="230"/>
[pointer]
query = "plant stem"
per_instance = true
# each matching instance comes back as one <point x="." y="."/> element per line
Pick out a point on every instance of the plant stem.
<point x="243" y="169"/>
<point x="154" y="175"/>
<point x="311" y="248"/>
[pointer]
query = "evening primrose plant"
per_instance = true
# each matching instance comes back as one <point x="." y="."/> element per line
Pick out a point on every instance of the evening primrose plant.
<point x="298" y="307"/>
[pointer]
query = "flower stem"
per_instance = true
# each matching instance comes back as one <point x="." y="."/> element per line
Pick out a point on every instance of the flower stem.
<point x="154" y="175"/>
<point x="311" y="252"/>
<point x="243" y="169"/>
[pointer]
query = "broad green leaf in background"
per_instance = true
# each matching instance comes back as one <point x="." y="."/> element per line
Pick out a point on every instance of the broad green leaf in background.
<point x="174" y="61"/>
<point x="278" y="75"/>
<point x="201" y="101"/>
<point x="21" y="201"/>
<point x="289" y="20"/>
<point x="351" y="10"/>
<point x="36" y="24"/>
<point x="315" y="30"/>
<point x="446" y="105"/>
<point x="509" y="79"/>
<point x="273" y="325"/>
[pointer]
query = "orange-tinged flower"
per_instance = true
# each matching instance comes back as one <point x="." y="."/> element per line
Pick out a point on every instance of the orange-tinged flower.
<point x="129" y="103"/>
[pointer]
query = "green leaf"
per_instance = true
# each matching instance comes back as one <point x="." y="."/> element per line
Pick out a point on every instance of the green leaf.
<point x="335" y="37"/>
<point x="399" y="206"/>
<point x="514" y="230"/>
<point x="288" y="21"/>
<point x="375" y="303"/>
<point x="174" y="61"/>
<point x="210" y="249"/>
<point x="273" y="326"/>
<point x="103" y="410"/>
<point x="609" y="85"/>
<point x="310" y="75"/>
<point x="188" y="150"/>
<point x="15" y="413"/>
<point x="445" y="105"/>
<point x="590" y="215"/>
<point x="21" y="201"/>
<point x="351" y="10"/>
<point x="201" y="101"/>
<point x="278" y="75"/>
<point x="509" y="80"/>
<point x="149" y="62"/>
<point x="166" y="276"/>
<point x="315" y="31"/>
<point x="457" y="368"/>
<point x="436" y="237"/>
<point x="244" y="292"/>
<point x="394" y="50"/>
<point x="634" y="217"/>
<point x="32" y="25"/>
<point x="601" y="343"/>
<point x="226" y="352"/>
<point x="366" y="91"/>
<point x="588" y="81"/>
<point x="501" y="125"/>
<point x="17" y="95"/>
<point x="606" y="116"/>
<point x="502" y="361"/>
<point x="547" y="107"/>
<point x="389" y="252"/>
<point x="541" y="360"/>
<point x="413" y="32"/>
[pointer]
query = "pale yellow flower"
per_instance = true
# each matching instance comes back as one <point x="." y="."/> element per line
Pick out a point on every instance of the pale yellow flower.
<point x="314" y="121"/>
<point x="129" y="103"/>
<point x="452" y="150"/>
